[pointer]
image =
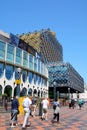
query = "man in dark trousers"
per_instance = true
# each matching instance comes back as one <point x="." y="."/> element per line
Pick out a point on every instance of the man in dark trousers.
<point x="34" y="103"/>
<point x="14" y="111"/>
<point x="72" y="103"/>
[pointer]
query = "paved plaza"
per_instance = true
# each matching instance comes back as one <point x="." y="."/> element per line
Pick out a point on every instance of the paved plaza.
<point x="70" y="119"/>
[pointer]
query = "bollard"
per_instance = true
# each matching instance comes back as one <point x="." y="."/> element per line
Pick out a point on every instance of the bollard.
<point x="40" y="109"/>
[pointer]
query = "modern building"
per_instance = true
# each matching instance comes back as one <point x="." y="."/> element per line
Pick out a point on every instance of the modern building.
<point x="84" y="94"/>
<point x="21" y="69"/>
<point x="62" y="75"/>
<point x="46" y="43"/>
<point x="66" y="77"/>
<point x="63" y="78"/>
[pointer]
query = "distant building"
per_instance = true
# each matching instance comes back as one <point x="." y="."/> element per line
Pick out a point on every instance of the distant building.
<point x="65" y="77"/>
<point x="46" y="44"/>
<point x="84" y="94"/>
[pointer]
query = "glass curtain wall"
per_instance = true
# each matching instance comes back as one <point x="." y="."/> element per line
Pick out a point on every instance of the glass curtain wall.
<point x="10" y="53"/>
<point x="31" y="62"/>
<point x="9" y="72"/>
<point x="25" y="59"/>
<point x="2" y="50"/>
<point x="18" y="56"/>
<point x="1" y="69"/>
<point x="24" y="76"/>
<point x="35" y="64"/>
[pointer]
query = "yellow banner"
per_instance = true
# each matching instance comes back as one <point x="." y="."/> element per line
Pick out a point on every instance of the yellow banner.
<point x="18" y="81"/>
<point x="21" y="109"/>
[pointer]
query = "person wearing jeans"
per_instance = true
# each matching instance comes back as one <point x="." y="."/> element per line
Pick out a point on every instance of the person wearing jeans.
<point x="14" y="111"/>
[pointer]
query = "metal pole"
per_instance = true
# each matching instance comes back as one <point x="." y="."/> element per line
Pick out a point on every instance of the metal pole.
<point x="68" y="93"/>
<point x="18" y="81"/>
<point x="57" y="94"/>
<point x="54" y="83"/>
<point x="54" y="91"/>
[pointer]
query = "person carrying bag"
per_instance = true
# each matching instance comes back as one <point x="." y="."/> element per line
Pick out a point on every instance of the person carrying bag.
<point x="56" y="111"/>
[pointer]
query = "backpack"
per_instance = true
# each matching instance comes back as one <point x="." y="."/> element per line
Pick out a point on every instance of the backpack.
<point x="34" y="101"/>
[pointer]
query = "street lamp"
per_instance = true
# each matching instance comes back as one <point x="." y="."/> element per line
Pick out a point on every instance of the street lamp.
<point x="77" y="95"/>
<point x="18" y="81"/>
<point x="58" y="95"/>
<point x="68" y="93"/>
<point x="54" y="86"/>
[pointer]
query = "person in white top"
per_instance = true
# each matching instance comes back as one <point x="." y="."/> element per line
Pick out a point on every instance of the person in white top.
<point x="26" y="105"/>
<point x="45" y="104"/>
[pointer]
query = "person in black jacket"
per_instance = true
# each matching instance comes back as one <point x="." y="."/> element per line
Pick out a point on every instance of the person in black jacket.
<point x="14" y="111"/>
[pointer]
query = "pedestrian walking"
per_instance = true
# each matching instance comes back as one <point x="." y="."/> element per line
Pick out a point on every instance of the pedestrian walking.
<point x="80" y="103"/>
<point x="69" y="103"/>
<point x="34" y="103"/>
<point x="56" y="109"/>
<point x="72" y="103"/>
<point x="14" y="111"/>
<point x="45" y="104"/>
<point x="26" y="105"/>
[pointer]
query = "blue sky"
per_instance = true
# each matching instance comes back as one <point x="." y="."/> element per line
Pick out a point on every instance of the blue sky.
<point x="67" y="18"/>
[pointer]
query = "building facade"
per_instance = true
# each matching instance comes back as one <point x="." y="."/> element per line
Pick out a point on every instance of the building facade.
<point x="63" y="78"/>
<point x="62" y="75"/>
<point x="21" y="69"/>
<point x="66" y="77"/>
<point x="46" y="43"/>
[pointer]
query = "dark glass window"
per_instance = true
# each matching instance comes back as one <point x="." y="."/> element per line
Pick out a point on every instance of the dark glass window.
<point x="9" y="72"/>
<point x="2" y="50"/>
<point x="25" y="59"/>
<point x="39" y="68"/>
<point x="10" y="53"/>
<point x="18" y="56"/>
<point x="31" y="62"/>
<point x="35" y="79"/>
<point x="39" y="80"/>
<point x="24" y="75"/>
<point x="30" y="77"/>
<point x="1" y="69"/>
<point x="35" y="64"/>
<point x="42" y="68"/>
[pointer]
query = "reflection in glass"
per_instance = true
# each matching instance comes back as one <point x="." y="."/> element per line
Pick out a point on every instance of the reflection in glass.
<point x="39" y="80"/>
<point x="35" y="64"/>
<point x="10" y="53"/>
<point x="30" y="62"/>
<point x="18" y="56"/>
<point x="2" y="50"/>
<point x="39" y="68"/>
<point x="1" y="69"/>
<point x="24" y="76"/>
<point x="30" y="77"/>
<point x="25" y="59"/>
<point x="9" y="72"/>
<point x="35" y="79"/>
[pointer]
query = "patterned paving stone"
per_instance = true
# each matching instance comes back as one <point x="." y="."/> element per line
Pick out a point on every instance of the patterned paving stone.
<point x="70" y="119"/>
